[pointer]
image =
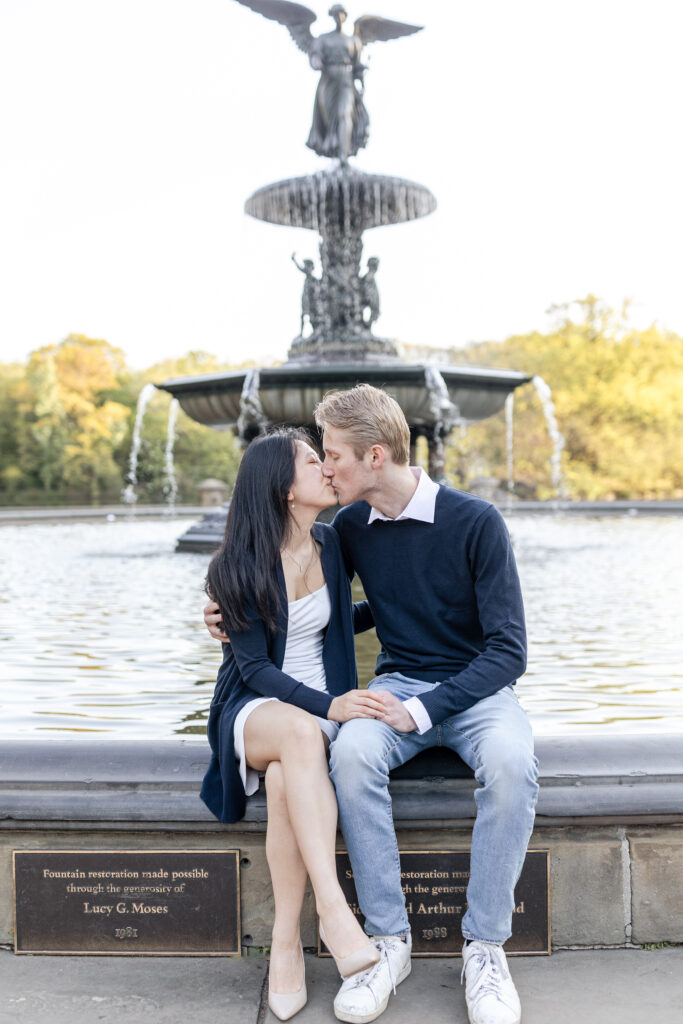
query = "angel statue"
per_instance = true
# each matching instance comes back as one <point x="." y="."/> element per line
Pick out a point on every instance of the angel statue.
<point x="340" y="120"/>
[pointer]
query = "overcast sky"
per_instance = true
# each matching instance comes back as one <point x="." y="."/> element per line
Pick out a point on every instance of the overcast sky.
<point x="132" y="131"/>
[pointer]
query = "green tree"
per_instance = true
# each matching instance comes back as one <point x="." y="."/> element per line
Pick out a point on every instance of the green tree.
<point x="618" y="399"/>
<point x="44" y="426"/>
<point x="66" y="431"/>
<point x="12" y="381"/>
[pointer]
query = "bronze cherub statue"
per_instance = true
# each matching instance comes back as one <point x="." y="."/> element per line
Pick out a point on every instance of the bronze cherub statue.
<point x="340" y="120"/>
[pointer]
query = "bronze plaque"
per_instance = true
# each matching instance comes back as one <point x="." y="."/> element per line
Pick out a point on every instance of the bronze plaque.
<point x="435" y="885"/>
<point x="127" y="902"/>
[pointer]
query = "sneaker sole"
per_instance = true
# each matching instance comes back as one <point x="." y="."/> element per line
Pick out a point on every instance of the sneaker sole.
<point x="365" y="1018"/>
<point x="518" y="1021"/>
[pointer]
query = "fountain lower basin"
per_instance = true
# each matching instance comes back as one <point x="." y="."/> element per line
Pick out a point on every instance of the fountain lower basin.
<point x="289" y="393"/>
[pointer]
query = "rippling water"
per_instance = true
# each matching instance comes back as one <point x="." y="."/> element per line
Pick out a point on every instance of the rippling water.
<point x="101" y="628"/>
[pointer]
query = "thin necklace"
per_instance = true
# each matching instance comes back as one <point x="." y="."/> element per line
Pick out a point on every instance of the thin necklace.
<point x="298" y="564"/>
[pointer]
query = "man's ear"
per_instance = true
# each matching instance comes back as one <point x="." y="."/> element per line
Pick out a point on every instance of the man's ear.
<point x="377" y="456"/>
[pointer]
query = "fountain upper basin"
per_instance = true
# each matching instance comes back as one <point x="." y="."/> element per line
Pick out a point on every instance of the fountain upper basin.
<point x="288" y="394"/>
<point x="349" y="198"/>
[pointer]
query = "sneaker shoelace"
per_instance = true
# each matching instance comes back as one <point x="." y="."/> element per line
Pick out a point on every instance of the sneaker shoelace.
<point x="383" y="945"/>
<point x="490" y="976"/>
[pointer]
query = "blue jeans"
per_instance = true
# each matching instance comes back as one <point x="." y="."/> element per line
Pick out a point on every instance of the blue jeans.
<point x="494" y="738"/>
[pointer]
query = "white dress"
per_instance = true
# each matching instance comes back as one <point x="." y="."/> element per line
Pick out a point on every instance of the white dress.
<point x="303" y="660"/>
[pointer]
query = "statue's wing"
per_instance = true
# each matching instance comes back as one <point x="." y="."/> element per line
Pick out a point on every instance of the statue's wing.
<point x="371" y="29"/>
<point x="295" y="17"/>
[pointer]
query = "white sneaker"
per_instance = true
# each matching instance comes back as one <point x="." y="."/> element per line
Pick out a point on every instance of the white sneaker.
<point x="364" y="996"/>
<point x="489" y="990"/>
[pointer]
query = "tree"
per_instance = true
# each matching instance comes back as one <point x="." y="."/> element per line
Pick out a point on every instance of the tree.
<point x="617" y="394"/>
<point x="66" y="431"/>
<point x="12" y="382"/>
<point x="44" y="427"/>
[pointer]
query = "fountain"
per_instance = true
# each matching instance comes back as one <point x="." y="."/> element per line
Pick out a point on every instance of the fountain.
<point x="546" y="399"/>
<point x="510" y="446"/>
<point x="337" y="346"/>
<point x="129" y="494"/>
<point x="103" y="727"/>
<point x="170" y="482"/>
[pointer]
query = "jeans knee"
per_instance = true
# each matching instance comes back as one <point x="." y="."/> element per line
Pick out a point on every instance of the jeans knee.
<point x="354" y="757"/>
<point x="512" y="773"/>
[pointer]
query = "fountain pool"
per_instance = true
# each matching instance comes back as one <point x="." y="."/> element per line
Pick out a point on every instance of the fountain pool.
<point x="101" y="631"/>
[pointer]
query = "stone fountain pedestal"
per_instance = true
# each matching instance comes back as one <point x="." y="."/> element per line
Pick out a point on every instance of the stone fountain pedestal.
<point x="337" y="346"/>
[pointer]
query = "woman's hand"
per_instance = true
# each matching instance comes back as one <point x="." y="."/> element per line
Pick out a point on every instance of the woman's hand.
<point x="212" y="621"/>
<point x="356" y="704"/>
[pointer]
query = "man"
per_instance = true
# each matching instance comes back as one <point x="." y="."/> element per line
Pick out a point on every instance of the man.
<point x="441" y="581"/>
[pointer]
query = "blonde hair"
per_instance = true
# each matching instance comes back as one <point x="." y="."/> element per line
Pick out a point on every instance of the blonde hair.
<point x="368" y="416"/>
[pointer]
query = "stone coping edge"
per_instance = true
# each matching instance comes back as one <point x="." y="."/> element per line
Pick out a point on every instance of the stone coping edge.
<point x="52" y="513"/>
<point x="581" y="776"/>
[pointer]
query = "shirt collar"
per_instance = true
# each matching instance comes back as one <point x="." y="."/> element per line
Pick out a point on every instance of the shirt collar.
<point x="422" y="504"/>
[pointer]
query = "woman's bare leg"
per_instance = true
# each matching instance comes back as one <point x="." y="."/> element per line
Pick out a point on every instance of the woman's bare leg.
<point x="288" y="876"/>
<point x="280" y="732"/>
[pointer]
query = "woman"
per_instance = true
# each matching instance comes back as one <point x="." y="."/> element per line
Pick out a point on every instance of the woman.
<point x="287" y="680"/>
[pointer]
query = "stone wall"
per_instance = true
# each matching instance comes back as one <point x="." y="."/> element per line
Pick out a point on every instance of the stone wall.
<point x="610" y="812"/>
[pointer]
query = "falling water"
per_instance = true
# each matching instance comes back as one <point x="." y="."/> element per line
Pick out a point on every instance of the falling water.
<point x="509" y="444"/>
<point x="251" y="410"/>
<point x="545" y="395"/>
<point x="170" y="483"/>
<point x="128" y="495"/>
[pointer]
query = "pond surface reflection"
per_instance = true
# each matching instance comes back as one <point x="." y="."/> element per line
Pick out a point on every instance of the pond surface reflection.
<point x="101" y="629"/>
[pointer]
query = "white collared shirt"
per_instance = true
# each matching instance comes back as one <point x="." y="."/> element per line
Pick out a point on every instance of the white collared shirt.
<point x="422" y="507"/>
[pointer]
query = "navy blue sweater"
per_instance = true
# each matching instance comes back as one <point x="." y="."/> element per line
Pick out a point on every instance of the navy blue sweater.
<point x="445" y="597"/>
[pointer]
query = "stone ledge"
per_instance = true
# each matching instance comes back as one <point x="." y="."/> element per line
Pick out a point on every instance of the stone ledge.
<point x="582" y="777"/>
<point x="615" y="874"/>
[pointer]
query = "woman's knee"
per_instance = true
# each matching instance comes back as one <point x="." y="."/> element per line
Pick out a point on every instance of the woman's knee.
<point x="303" y="732"/>
<point x="278" y="731"/>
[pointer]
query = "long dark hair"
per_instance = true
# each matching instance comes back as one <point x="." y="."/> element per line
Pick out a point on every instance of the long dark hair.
<point x="242" y="573"/>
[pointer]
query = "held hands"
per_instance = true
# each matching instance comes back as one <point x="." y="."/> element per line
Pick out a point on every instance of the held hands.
<point x="355" y="704"/>
<point x="378" y="704"/>
<point x="212" y="621"/>
<point x="395" y="713"/>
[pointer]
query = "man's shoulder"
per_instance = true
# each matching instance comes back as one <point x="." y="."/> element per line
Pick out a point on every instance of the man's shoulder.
<point x="450" y="501"/>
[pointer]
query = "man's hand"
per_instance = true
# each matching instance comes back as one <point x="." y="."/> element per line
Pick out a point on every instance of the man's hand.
<point x="395" y="713"/>
<point x="212" y="621"/>
<point x="355" y="704"/>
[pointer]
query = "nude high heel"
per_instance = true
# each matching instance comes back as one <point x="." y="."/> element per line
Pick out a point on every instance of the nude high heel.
<point x="285" y="1004"/>
<point x="361" y="960"/>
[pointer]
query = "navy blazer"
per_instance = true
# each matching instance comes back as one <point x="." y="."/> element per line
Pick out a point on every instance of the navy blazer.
<point x="252" y="667"/>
